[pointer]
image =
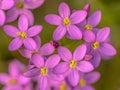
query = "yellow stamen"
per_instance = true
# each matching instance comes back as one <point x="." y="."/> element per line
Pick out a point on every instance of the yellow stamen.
<point x="23" y="35"/>
<point x="43" y="71"/>
<point x="73" y="63"/>
<point x="66" y="21"/>
<point x="88" y="27"/>
<point x="12" y="82"/>
<point x="63" y="86"/>
<point x="82" y="82"/>
<point x="95" y="45"/>
<point x="20" y="5"/>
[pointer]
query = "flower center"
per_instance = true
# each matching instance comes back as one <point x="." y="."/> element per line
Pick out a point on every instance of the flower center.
<point x="43" y="71"/>
<point x="12" y="82"/>
<point x="63" y="86"/>
<point x="88" y="27"/>
<point x="95" y="45"/>
<point x="82" y="82"/>
<point x="20" y="5"/>
<point x="73" y="63"/>
<point x="66" y="21"/>
<point x="23" y="35"/>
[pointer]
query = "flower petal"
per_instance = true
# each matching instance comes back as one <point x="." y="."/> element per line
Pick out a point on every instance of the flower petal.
<point x="88" y="36"/>
<point x="30" y="44"/>
<point x="2" y="17"/>
<point x="10" y="30"/>
<point x="23" y="80"/>
<point x="59" y="32"/>
<point x="25" y="52"/>
<point x="103" y="34"/>
<point x="47" y="49"/>
<point x="4" y="78"/>
<point x="64" y="53"/>
<point x="73" y="77"/>
<point x="37" y="60"/>
<point x="95" y="18"/>
<point x="15" y="44"/>
<point x="34" y="30"/>
<point x="80" y="52"/>
<point x="78" y="16"/>
<point x="85" y="66"/>
<point x="52" y="61"/>
<point x="32" y="72"/>
<point x="23" y="23"/>
<point x="53" y="19"/>
<point x="43" y="83"/>
<point x="32" y="4"/>
<point x="64" y="10"/>
<point x="12" y="15"/>
<point x="107" y="49"/>
<point x="92" y="77"/>
<point x="87" y="8"/>
<point x="74" y="32"/>
<point x="61" y="68"/>
<point x="6" y="4"/>
<point x="29" y="15"/>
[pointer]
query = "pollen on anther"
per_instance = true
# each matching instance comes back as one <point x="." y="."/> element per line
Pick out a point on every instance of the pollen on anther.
<point x="66" y="21"/>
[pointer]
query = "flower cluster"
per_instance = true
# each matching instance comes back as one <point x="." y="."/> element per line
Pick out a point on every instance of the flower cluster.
<point x="61" y="70"/>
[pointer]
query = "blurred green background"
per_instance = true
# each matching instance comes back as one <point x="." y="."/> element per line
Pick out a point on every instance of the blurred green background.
<point x="110" y="69"/>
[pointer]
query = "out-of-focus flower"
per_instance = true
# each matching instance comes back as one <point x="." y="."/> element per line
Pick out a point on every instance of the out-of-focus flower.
<point x="73" y="64"/>
<point x="86" y="80"/>
<point x="22" y="7"/>
<point x="4" y="5"/>
<point x="43" y="69"/>
<point x="15" y="79"/>
<point x="66" y="22"/>
<point x="22" y="35"/>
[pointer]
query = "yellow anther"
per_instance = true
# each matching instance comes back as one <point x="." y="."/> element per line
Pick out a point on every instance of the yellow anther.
<point x="20" y="5"/>
<point x="95" y="45"/>
<point x="12" y="82"/>
<point x="43" y="71"/>
<point x="73" y="63"/>
<point x="63" y="86"/>
<point x="66" y="21"/>
<point x="23" y="35"/>
<point x="82" y="82"/>
<point x="88" y="27"/>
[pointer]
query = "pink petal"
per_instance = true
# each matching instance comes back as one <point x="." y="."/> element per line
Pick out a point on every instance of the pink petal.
<point x="64" y="10"/>
<point x="47" y="49"/>
<point x="88" y="36"/>
<point x="107" y="49"/>
<point x="38" y="41"/>
<point x="87" y="8"/>
<point x="23" y="23"/>
<point x="2" y="17"/>
<point x="53" y="19"/>
<point x="61" y="68"/>
<point x="25" y="52"/>
<point x="59" y="33"/>
<point x="64" y="53"/>
<point x="78" y="16"/>
<point x="15" y="44"/>
<point x="92" y="77"/>
<point x="10" y="30"/>
<point x="95" y="18"/>
<point x="73" y="77"/>
<point x="12" y="15"/>
<point x="43" y="83"/>
<point x="6" y="4"/>
<point x="29" y="15"/>
<point x="30" y="44"/>
<point x="74" y="32"/>
<point x="4" y="78"/>
<point x="80" y="52"/>
<point x="34" y="30"/>
<point x="103" y="34"/>
<point x="24" y="80"/>
<point x="52" y="61"/>
<point x="85" y="66"/>
<point x="32" y="4"/>
<point x="37" y="60"/>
